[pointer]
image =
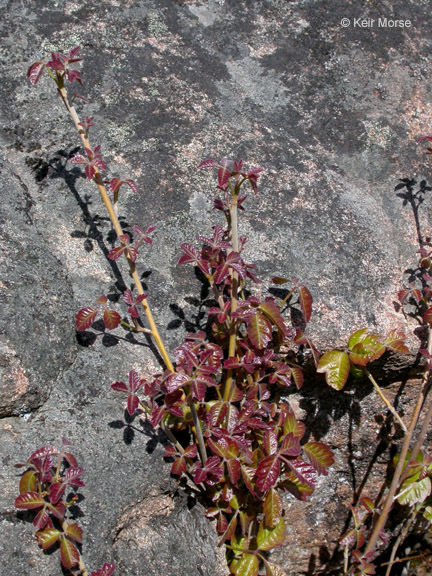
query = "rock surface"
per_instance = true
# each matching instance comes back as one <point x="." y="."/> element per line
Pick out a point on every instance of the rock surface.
<point x="331" y="113"/>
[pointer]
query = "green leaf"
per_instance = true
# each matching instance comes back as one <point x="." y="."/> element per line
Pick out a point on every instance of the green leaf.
<point x="273" y="569"/>
<point x="364" y="347"/>
<point x="272" y="508"/>
<point x="418" y="492"/>
<point x="74" y="532"/>
<point x="69" y="555"/>
<point x="292" y="425"/>
<point x="259" y="331"/>
<point x="357" y="371"/>
<point x="357" y="337"/>
<point x="269" y="538"/>
<point x="28" y="482"/>
<point x="46" y="538"/>
<point x="319" y="455"/>
<point x="280" y="280"/>
<point x="297" y="375"/>
<point x="335" y="365"/>
<point x="246" y="565"/>
<point x="299" y="489"/>
<point x="427" y="513"/>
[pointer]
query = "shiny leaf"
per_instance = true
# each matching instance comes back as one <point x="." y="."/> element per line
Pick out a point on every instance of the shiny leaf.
<point x="269" y="538"/>
<point x="319" y="455"/>
<point x="28" y="482"/>
<point x="272" y="508"/>
<point x="69" y="555"/>
<point x="48" y="537"/>
<point x="336" y="366"/>
<point x="246" y="565"/>
<point x="259" y="331"/>
<point x="85" y="317"/>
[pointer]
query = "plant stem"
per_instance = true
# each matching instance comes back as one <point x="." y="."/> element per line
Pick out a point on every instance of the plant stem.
<point x="119" y="231"/>
<point x="424" y="391"/>
<point x="397" y="476"/>
<point x="198" y="431"/>
<point x="384" y="399"/>
<point x="234" y="290"/>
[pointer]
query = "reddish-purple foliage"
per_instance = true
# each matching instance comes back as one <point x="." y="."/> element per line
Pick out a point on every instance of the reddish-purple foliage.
<point x="252" y="441"/>
<point x="51" y="474"/>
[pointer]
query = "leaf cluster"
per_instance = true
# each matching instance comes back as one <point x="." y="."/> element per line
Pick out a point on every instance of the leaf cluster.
<point x="245" y="443"/>
<point x="49" y="489"/>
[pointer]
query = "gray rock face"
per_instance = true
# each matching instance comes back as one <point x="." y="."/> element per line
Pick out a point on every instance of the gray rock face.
<point x="332" y="115"/>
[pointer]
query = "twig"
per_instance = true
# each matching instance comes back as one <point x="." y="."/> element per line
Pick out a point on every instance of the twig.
<point x="385" y="400"/>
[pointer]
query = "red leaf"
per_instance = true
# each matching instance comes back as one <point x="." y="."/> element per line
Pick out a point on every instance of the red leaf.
<point x="85" y="318"/>
<point x="427" y="316"/>
<point x="234" y="470"/>
<point x="132" y="404"/>
<point x="29" y="501"/>
<point x="267" y="473"/>
<point x="259" y="331"/>
<point x="56" y="492"/>
<point x="35" y="71"/>
<point x="207" y="164"/>
<point x="120" y="387"/>
<point x="49" y="450"/>
<point x="69" y="555"/>
<point x="270" y="442"/>
<point x="319" y="455"/>
<point x="157" y="415"/>
<point x="78" y="159"/>
<point x="290" y="445"/>
<point x="305" y="302"/>
<point x="115" y="253"/>
<point x="106" y="570"/>
<point x="395" y="340"/>
<point x="304" y="472"/>
<point x="179" y="466"/>
<point x="273" y="313"/>
<point x="134" y="381"/>
<point x="41" y="520"/>
<point x="111" y="319"/>
<point x="73" y="475"/>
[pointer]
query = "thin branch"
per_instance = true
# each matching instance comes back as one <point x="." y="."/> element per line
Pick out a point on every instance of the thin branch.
<point x="385" y="400"/>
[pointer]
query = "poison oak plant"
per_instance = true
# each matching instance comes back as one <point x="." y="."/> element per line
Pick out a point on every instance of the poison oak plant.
<point x="222" y="389"/>
<point x="49" y="488"/>
<point x="410" y="485"/>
